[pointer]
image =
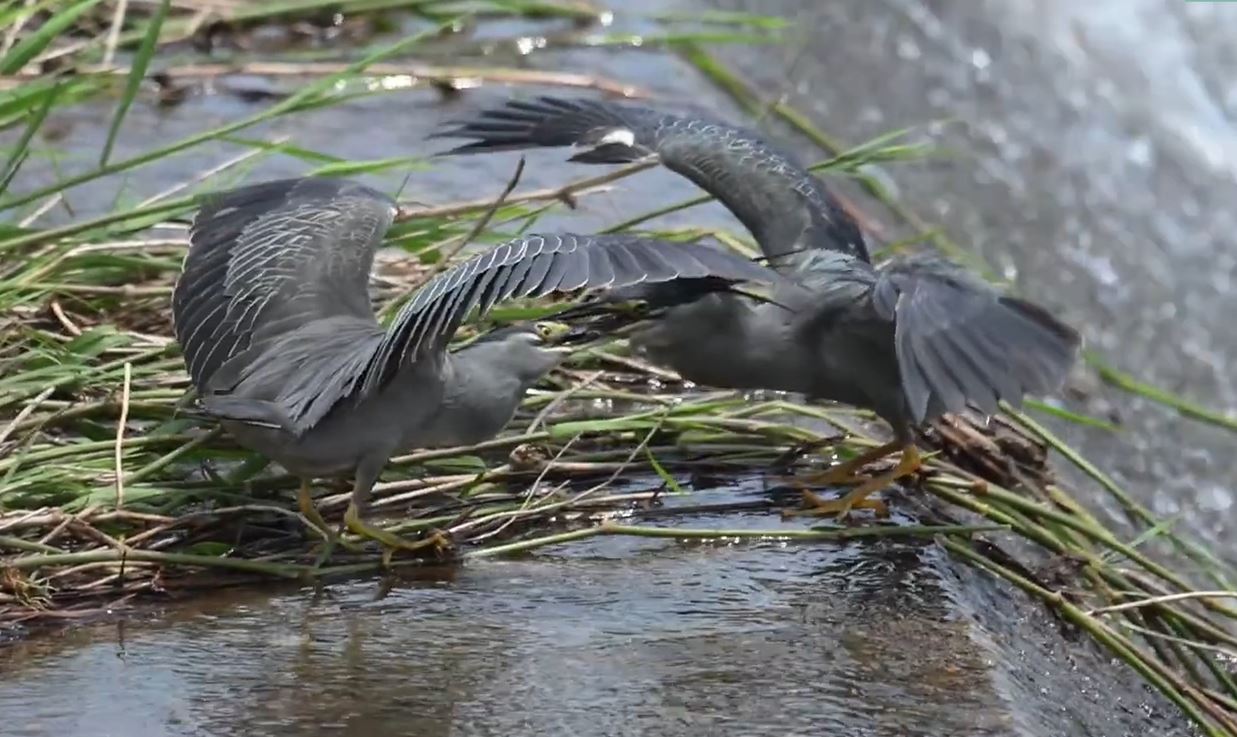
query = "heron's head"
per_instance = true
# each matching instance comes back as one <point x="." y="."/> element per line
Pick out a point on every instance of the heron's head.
<point x="546" y="335"/>
<point x="553" y="336"/>
<point x="527" y="350"/>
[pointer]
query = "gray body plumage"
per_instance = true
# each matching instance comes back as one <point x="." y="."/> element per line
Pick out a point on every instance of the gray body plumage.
<point x="910" y="340"/>
<point x="273" y="316"/>
<point x="904" y="344"/>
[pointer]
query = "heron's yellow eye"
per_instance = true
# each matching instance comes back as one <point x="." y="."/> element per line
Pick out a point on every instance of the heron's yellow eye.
<point x="550" y="331"/>
<point x="543" y="330"/>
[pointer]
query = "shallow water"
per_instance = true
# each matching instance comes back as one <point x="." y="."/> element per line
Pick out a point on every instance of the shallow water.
<point x="616" y="636"/>
<point x="1093" y="165"/>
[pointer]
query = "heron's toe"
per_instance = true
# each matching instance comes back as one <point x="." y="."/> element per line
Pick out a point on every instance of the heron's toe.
<point x="391" y="543"/>
<point x="836" y="476"/>
<point x="816" y="506"/>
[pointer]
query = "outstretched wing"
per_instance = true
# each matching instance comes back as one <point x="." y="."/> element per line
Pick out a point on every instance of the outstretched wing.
<point x="786" y="208"/>
<point x="536" y="265"/>
<point x="959" y="342"/>
<point x="272" y="310"/>
<point x="267" y="259"/>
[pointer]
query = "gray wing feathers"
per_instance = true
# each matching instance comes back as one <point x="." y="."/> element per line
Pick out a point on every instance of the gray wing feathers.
<point x="268" y="258"/>
<point x="958" y="341"/>
<point x="786" y="208"/>
<point x="304" y="372"/>
<point x="537" y="265"/>
<point x="272" y="307"/>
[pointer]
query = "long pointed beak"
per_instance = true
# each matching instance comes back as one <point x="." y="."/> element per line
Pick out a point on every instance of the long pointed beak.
<point x="578" y="334"/>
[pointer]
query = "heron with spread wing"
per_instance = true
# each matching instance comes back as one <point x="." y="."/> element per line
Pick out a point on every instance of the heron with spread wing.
<point x="273" y="315"/>
<point x="910" y="340"/>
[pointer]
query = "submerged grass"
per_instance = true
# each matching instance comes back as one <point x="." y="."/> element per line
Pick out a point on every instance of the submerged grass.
<point x="109" y="491"/>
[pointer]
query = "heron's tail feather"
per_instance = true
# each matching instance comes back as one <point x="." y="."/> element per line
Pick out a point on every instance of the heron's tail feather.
<point x="254" y="412"/>
<point x="960" y="344"/>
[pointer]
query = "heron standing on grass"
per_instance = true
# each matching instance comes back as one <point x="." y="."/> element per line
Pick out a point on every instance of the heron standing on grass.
<point x="273" y="315"/>
<point x="910" y="340"/>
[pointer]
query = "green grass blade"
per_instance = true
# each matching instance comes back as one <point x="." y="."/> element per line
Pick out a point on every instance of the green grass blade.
<point x="285" y="148"/>
<point x="306" y="95"/>
<point x="137" y="72"/>
<point x="16" y="104"/>
<point x="724" y="18"/>
<point x="52" y="234"/>
<point x="22" y="149"/>
<point x="662" y="473"/>
<point x="541" y="8"/>
<point x="31" y="46"/>
<point x="267" y="11"/>
<point x="1075" y="417"/>
<point x="352" y="168"/>
<point x="1128" y="383"/>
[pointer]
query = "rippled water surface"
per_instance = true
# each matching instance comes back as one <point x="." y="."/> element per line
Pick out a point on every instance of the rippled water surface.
<point x="611" y="637"/>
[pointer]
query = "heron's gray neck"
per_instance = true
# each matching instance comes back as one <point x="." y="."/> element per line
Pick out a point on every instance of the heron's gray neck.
<point x="483" y="386"/>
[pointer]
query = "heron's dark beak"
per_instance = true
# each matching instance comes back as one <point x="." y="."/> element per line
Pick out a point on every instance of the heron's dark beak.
<point x="579" y="334"/>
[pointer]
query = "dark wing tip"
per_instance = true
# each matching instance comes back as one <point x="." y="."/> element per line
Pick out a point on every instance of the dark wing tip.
<point x="544" y="122"/>
<point x="1067" y="335"/>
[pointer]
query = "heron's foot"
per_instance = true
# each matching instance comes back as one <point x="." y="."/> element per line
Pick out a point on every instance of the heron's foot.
<point x="815" y="505"/>
<point x="835" y="476"/>
<point x="844" y="473"/>
<point x="857" y="498"/>
<point x="390" y="542"/>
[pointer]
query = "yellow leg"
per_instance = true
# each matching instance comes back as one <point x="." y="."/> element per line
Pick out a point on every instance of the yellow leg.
<point x="314" y="517"/>
<point x="310" y="512"/>
<point x="908" y="464"/>
<point x="390" y="541"/>
<point x="845" y="472"/>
